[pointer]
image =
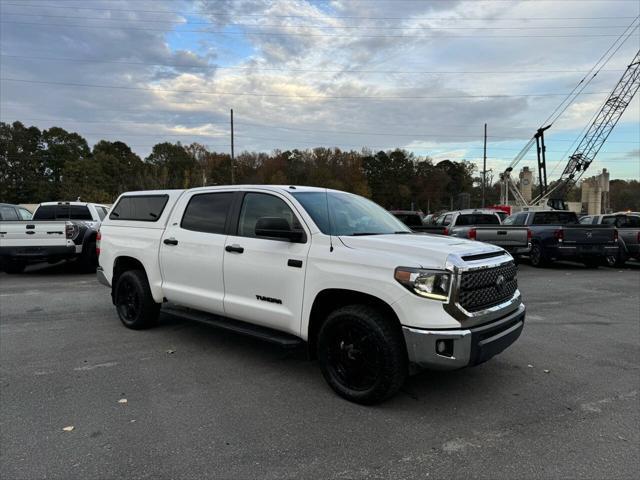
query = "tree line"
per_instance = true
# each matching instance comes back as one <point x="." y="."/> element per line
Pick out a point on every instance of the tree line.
<point x="54" y="164"/>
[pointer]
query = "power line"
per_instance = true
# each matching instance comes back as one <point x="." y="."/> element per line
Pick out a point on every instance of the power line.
<point x="334" y="27"/>
<point x="304" y="34"/>
<point x="328" y="17"/>
<point x="579" y="88"/>
<point x="279" y="95"/>
<point x="252" y="68"/>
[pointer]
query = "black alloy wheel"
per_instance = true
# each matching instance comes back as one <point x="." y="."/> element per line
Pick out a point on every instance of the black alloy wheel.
<point x="128" y="300"/>
<point x="362" y="354"/>
<point x="134" y="302"/>
<point x="353" y="356"/>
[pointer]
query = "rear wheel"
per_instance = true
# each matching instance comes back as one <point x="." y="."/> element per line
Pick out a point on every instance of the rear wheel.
<point x="537" y="256"/>
<point x="88" y="260"/>
<point x="362" y="354"/>
<point x="617" y="260"/>
<point x="15" y="266"/>
<point x="134" y="303"/>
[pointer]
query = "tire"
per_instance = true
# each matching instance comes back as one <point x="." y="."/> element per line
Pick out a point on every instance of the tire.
<point x="537" y="257"/>
<point x="617" y="260"/>
<point x="362" y="354"/>
<point x="15" y="266"/>
<point x="134" y="303"/>
<point x="88" y="261"/>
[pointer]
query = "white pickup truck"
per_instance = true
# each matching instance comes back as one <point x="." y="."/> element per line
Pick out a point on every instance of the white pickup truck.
<point x="57" y="231"/>
<point x="372" y="301"/>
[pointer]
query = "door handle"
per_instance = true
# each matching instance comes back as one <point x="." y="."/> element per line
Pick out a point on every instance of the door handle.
<point x="170" y="241"/>
<point x="234" y="248"/>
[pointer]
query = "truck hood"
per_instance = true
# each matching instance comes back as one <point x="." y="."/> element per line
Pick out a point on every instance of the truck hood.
<point x="428" y="251"/>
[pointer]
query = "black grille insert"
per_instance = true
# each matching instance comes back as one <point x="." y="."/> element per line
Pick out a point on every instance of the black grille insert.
<point x="488" y="287"/>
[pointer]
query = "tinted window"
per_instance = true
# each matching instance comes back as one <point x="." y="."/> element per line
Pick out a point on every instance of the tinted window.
<point x="258" y="205"/>
<point x="62" y="212"/>
<point x="25" y="214"/>
<point x="207" y="212"/>
<point x="143" y="208"/>
<point x="8" y="213"/>
<point x="554" y="218"/>
<point x="477" y="219"/>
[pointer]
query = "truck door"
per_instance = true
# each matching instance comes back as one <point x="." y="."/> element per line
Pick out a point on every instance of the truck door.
<point x="192" y="251"/>
<point x="264" y="276"/>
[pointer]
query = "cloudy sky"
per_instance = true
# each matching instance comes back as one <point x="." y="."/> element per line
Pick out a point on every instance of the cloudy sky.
<point x="424" y="75"/>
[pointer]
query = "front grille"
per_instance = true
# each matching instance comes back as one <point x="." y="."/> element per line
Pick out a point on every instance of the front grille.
<point x="482" y="289"/>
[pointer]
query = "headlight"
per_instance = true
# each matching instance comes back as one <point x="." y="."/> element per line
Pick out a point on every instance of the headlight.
<point x="426" y="283"/>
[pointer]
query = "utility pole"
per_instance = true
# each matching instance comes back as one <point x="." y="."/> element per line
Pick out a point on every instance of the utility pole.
<point x="232" y="153"/>
<point x="484" y="164"/>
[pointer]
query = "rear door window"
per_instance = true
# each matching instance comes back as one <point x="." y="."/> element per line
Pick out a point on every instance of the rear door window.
<point x="207" y="212"/>
<point x="141" y="208"/>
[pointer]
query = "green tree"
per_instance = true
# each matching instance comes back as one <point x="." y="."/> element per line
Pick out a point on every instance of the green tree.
<point x="22" y="173"/>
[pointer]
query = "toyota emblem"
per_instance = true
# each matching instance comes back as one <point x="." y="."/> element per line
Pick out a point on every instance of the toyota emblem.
<point x="500" y="283"/>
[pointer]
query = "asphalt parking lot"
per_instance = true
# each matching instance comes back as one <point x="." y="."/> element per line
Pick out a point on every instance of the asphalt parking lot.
<point x="562" y="402"/>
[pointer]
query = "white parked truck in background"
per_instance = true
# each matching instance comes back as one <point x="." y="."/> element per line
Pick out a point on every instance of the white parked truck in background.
<point x="372" y="300"/>
<point x="57" y="231"/>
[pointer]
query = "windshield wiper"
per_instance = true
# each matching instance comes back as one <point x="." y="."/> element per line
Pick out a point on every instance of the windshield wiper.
<point x="360" y="234"/>
<point x="402" y="232"/>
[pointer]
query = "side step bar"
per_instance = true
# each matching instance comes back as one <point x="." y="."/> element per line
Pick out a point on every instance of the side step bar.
<point x="267" y="334"/>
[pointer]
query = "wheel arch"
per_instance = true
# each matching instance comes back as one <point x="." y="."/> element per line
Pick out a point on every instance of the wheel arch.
<point x="123" y="264"/>
<point x="331" y="299"/>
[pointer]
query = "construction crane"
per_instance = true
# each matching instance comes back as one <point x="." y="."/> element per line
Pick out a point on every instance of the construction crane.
<point x="598" y="132"/>
<point x="590" y="144"/>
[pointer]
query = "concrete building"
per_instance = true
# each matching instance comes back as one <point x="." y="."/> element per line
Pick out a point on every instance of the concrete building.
<point x="595" y="194"/>
<point x="526" y="183"/>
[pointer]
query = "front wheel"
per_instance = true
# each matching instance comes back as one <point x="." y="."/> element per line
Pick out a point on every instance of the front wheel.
<point x="133" y="300"/>
<point x="362" y="354"/>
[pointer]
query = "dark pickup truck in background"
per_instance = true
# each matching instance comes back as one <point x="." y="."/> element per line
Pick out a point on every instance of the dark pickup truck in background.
<point x="484" y="226"/>
<point x="628" y="225"/>
<point x="557" y="235"/>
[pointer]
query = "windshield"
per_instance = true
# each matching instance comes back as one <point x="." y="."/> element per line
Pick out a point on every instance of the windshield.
<point x="350" y="214"/>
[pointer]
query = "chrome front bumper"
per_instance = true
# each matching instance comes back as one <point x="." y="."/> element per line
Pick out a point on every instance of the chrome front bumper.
<point x="464" y="347"/>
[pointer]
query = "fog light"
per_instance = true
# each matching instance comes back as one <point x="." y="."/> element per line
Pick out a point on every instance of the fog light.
<point x="444" y="347"/>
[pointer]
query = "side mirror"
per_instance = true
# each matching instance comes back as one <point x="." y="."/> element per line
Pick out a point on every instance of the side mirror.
<point x="278" y="227"/>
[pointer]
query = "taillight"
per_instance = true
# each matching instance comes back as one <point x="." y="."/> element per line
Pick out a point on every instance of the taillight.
<point x="446" y="231"/>
<point x="472" y="234"/>
<point x="529" y="234"/>
<point x="98" y="238"/>
<point x="71" y="230"/>
<point x="559" y="235"/>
